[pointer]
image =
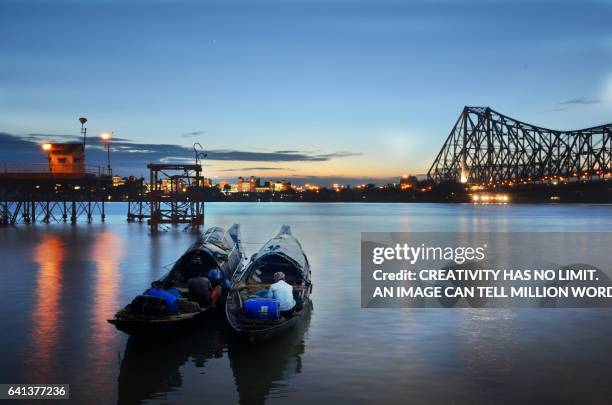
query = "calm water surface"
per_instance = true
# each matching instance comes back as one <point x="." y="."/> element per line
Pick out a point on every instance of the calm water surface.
<point x="59" y="284"/>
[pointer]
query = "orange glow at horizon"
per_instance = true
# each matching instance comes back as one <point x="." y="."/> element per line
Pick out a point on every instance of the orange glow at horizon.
<point x="358" y="167"/>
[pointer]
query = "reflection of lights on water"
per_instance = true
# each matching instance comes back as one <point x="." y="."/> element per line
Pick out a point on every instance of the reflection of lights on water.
<point x="51" y="255"/>
<point x="48" y="255"/>
<point x="106" y="254"/>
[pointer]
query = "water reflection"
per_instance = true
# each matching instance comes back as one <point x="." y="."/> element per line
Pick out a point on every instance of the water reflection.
<point x="54" y="276"/>
<point x="106" y="254"/>
<point x="151" y="369"/>
<point x="49" y="254"/>
<point x="262" y="371"/>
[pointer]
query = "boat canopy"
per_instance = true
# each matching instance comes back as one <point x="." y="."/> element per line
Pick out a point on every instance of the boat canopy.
<point x="216" y="248"/>
<point x="281" y="253"/>
<point x="225" y="240"/>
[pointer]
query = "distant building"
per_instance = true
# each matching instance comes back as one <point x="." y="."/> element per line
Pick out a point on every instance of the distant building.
<point x="66" y="158"/>
<point x="279" y="185"/>
<point x="118" y="181"/>
<point x="172" y="186"/>
<point x="311" y="187"/>
<point x="249" y="186"/>
<point x="253" y="183"/>
<point x="165" y="185"/>
<point x="407" y="182"/>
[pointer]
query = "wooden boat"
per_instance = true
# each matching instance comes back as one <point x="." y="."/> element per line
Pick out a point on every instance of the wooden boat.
<point x="216" y="249"/>
<point x="281" y="253"/>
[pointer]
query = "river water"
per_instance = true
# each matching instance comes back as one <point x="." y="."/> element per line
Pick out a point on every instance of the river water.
<point x="59" y="284"/>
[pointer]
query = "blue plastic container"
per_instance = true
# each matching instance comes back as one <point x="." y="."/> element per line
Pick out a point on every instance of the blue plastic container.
<point x="262" y="308"/>
<point x="215" y="274"/>
<point x="174" y="291"/>
<point x="170" y="300"/>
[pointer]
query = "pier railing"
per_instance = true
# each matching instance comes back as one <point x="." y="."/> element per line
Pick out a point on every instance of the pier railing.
<point x="44" y="168"/>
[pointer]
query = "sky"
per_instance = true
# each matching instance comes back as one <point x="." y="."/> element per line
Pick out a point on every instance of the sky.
<point x="320" y="91"/>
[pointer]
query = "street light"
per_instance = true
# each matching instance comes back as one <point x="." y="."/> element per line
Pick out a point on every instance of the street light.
<point x="199" y="154"/>
<point x="106" y="138"/>
<point x="83" y="120"/>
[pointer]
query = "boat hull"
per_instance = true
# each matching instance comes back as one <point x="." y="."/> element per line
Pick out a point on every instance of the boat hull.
<point x="263" y="334"/>
<point x="152" y="328"/>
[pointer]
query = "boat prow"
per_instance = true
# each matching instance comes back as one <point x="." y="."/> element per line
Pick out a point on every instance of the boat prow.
<point x="140" y="326"/>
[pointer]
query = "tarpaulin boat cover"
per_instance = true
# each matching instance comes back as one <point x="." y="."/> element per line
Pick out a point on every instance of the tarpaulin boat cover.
<point x="220" y="238"/>
<point x="286" y="246"/>
<point x="217" y="249"/>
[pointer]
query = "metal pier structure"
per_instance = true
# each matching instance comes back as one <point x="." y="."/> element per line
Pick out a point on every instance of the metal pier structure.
<point x="176" y="196"/>
<point x="34" y="193"/>
<point x="491" y="149"/>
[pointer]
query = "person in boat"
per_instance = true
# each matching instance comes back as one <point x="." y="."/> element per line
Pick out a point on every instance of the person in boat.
<point x="283" y="292"/>
<point x="218" y="282"/>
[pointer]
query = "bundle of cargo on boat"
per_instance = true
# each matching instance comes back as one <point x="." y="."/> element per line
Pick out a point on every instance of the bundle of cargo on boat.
<point x="251" y="309"/>
<point x="197" y="283"/>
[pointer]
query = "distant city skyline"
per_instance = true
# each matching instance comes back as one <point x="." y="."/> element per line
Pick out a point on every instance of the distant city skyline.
<point x="327" y="91"/>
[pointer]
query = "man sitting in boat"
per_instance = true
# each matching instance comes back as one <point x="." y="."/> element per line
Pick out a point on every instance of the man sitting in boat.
<point x="283" y="293"/>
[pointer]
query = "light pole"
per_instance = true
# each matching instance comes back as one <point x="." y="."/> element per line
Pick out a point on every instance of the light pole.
<point x="199" y="201"/>
<point x="200" y="154"/>
<point x="83" y="120"/>
<point x="106" y="138"/>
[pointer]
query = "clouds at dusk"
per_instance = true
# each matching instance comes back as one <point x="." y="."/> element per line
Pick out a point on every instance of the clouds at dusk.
<point x="339" y="88"/>
<point x="131" y="158"/>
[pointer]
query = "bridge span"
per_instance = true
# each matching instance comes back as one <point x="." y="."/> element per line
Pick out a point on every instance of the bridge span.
<point x="486" y="148"/>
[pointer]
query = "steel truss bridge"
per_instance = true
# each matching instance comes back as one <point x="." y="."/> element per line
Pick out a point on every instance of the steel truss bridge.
<point x="489" y="148"/>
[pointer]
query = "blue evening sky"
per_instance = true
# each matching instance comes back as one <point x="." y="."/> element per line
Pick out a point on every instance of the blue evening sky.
<point x="360" y="88"/>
